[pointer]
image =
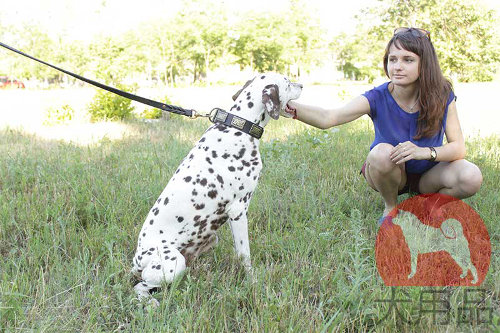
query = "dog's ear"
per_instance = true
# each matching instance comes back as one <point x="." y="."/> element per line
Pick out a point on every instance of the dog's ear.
<point x="235" y="96"/>
<point x="271" y="100"/>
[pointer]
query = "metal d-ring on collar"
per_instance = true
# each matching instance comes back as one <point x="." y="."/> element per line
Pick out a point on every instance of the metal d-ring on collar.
<point x="223" y="117"/>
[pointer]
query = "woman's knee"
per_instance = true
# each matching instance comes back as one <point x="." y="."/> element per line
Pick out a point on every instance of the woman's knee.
<point x="470" y="179"/>
<point x="379" y="158"/>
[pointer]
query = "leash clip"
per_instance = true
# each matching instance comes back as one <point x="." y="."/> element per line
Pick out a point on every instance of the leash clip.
<point x="195" y="114"/>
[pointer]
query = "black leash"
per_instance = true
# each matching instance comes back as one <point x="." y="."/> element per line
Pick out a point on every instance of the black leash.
<point x="155" y="104"/>
<point x="216" y="115"/>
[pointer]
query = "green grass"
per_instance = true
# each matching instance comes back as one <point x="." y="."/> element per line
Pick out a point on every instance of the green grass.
<point x="70" y="216"/>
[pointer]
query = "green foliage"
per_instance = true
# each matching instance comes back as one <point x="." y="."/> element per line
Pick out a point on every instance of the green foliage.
<point x="152" y="113"/>
<point x="462" y="32"/>
<point x="267" y="42"/>
<point x="59" y="115"/>
<point x="205" y="35"/>
<point x="108" y="106"/>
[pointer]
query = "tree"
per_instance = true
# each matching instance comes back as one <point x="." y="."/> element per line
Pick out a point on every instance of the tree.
<point x="461" y="31"/>
<point x="202" y="35"/>
<point x="267" y="42"/>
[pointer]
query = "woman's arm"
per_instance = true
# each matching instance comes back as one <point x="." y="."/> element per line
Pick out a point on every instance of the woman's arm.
<point x="453" y="150"/>
<point x="325" y="118"/>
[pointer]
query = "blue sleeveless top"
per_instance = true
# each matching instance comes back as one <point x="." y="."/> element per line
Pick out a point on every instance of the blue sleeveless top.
<point x="393" y="125"/>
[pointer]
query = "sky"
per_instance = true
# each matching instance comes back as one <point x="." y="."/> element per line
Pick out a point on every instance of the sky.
<point x="81" y="19"/>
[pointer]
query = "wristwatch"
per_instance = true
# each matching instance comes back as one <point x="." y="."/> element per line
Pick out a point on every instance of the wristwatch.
<point x="433" y="154"/>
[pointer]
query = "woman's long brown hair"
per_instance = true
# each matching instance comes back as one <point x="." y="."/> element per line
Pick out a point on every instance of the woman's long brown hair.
<point x="434" y="87"/>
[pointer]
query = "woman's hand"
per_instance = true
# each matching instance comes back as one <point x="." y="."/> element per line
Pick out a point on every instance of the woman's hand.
<point x="291" y="110"/>
<point x="409" y="151"/>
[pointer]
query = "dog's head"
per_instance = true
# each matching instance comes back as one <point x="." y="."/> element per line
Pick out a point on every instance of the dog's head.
<point x="275" y="91"/>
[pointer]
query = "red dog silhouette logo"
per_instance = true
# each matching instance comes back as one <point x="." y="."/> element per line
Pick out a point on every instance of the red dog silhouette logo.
<point x="433" y="240"/>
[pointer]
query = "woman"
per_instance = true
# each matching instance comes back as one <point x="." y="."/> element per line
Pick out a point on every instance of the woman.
<point x="411" y="114"/>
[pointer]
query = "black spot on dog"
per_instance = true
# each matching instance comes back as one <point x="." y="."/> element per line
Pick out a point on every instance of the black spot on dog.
<point x="204" y="182"/>
<point x="240" y="154"/>
<point x="231" y="168"/>
<point x="165" y="202"/>
<point x="202" y="139"/>
<point x="208" y="160"/>
<point x="194" y="193"/>
<point x="156" y="211"/>
<point x="262" y="77"/>
<point x="238" y="133"/>
<point x="254" y="153"/>
<point x="211" y="170"/>
<point x="151" y="222"/>
<point x="212" y="194"/>
<point x="263" y="117"/>
<point x="225" y="156"/>
<point x="180" y="219"/>
<point x="238" y="108"/>
<point x="199" y="206"/>
<point x="161" y="231"/>
<point x="188" y="179"/>
<point x="250" y="105"/>
<point x="220" y="179"/>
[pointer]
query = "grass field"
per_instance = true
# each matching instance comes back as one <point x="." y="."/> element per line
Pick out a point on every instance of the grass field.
<point x="70" y="215"/>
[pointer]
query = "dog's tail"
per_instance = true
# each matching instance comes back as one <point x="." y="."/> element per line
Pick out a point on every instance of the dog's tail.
<point x="452" y="229"/>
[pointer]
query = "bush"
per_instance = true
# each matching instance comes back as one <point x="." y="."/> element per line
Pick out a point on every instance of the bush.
<point x="60" y="115"/>
<point x="155" y="113"/>
<point x="109" y="106"/>
<point x="151" y="114"/>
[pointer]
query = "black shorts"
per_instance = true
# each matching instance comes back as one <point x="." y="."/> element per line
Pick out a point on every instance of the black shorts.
<point x="412" y="180"/>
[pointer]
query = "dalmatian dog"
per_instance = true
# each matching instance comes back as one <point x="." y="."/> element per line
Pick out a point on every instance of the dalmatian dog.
<point x="213" y="185"/>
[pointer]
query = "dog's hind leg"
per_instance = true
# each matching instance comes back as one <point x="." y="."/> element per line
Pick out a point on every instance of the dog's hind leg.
<point x="163" y="265"/>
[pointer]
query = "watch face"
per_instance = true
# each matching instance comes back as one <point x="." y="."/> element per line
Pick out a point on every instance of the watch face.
<point x="433" y="154"/>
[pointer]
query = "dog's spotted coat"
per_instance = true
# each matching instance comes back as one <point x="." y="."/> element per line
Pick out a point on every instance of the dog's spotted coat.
<point x="213" y="184"/>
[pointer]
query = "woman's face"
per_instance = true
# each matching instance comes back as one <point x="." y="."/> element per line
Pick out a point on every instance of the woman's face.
<point x="402" y="66"/>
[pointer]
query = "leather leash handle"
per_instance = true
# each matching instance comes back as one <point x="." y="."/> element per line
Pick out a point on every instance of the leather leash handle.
<point x="155" y="104"/>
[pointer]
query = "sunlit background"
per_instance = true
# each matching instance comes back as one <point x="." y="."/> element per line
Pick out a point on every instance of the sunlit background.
<point x="340" y="57"/>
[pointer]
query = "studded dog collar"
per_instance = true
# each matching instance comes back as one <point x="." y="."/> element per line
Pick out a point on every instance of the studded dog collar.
<point x="223" y="117"/>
